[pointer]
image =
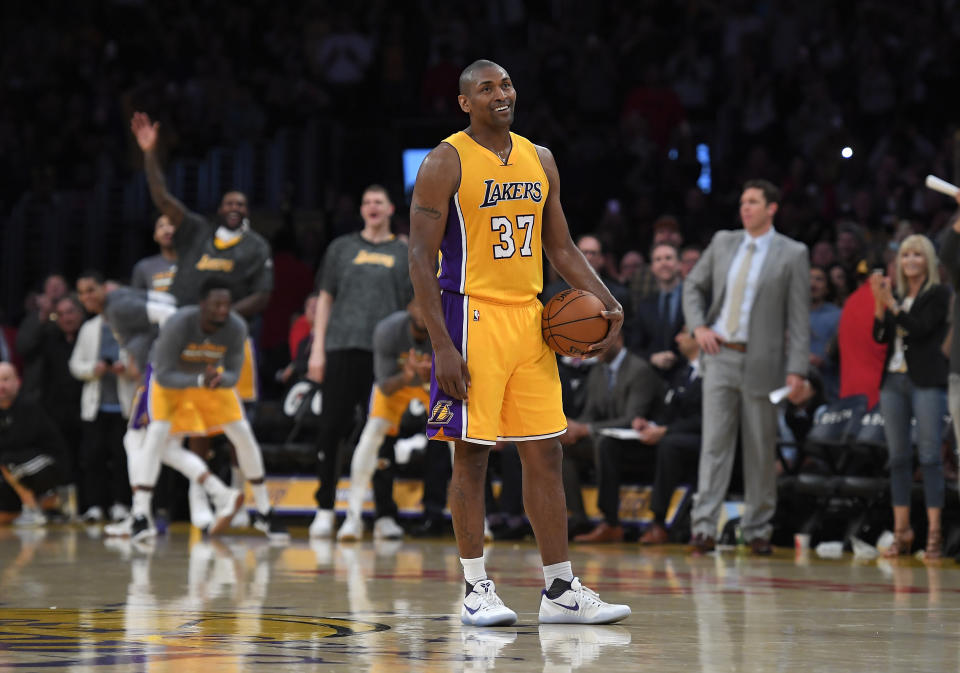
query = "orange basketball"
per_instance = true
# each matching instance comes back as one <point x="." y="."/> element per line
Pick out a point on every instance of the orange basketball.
<point x="571" y="322"/>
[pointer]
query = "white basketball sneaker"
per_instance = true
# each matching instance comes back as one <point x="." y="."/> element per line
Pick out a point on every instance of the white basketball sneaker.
<point x="120" y="528"/>
<point x="386" y="528"/>
<point x="482" y="607"/>
<point x="201" y="515"/>
<point x="228" y="503"/>
<point x="322" y="525"/>
<point x="572" y="603"/>
<point x="351" y="530"/>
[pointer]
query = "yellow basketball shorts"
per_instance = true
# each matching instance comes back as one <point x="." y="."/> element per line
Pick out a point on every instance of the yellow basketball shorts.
<point x="515" y="388"/>
<point x="190" y="411"/>
<point x="391" y="407"/>
<point x="248" y="387"/>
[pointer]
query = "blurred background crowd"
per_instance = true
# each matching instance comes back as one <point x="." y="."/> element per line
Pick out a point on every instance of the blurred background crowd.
<point x="656" y="110"/>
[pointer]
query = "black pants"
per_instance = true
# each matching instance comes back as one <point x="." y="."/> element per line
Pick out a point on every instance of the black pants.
<point x="678" y="459"/>
<point x="578" y="465"/>
<point x="346" y="385"/>
<point x="103" y="463"/>
<point x="614" y="458"/>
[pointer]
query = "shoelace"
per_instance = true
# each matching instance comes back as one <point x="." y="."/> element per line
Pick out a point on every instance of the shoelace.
<point x="488" y="598"/>
<point x="576" y="586"/>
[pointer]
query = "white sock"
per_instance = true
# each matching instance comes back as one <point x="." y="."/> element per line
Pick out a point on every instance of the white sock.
<point x="473" y="570"/>
<point x="141" y="502"/>
<point x="562" y="571"/>
<point x="236" y="477"/>
<point x="261" y="499"/>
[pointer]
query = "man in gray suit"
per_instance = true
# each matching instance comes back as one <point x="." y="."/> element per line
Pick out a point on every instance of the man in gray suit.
<point x="748" y="300"/>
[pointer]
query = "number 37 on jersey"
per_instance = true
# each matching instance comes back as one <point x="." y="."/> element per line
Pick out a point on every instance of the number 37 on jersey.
<point x="523" y="225"/>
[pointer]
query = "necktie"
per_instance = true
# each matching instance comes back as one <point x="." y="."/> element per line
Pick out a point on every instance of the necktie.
<point x="737" y="291"/>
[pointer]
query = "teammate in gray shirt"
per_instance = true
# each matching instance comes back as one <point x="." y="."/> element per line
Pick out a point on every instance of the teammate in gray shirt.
<point x="365" y="278"/>
<point x="195" y="362"/>
<point x="156" y="272"/>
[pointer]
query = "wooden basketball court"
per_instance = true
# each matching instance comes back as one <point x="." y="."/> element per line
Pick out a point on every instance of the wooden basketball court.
<point x="69" y="600"/>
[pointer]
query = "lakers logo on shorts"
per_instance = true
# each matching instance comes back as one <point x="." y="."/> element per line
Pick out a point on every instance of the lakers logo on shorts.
<point x="441" y="414"/>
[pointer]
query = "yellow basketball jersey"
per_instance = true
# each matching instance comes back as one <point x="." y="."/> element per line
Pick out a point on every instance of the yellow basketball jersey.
<point x="491" y="248"/>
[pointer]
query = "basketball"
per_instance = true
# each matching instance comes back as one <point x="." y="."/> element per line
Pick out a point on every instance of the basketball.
<point x="571" y="322"/>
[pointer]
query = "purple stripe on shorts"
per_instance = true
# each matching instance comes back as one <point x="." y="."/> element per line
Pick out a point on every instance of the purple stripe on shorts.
<point x="140" y="416"/>
<point x="445" y="412"/>
<point x="451" y="247"/>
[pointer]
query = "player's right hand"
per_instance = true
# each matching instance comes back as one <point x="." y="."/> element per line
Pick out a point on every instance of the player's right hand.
<point x="316" y="366"/>
<point x="144" y="130"/>
<point x="451" y="373"/>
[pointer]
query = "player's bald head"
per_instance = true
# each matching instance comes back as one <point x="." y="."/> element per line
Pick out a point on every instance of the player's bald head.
<point x="469" y="74"/>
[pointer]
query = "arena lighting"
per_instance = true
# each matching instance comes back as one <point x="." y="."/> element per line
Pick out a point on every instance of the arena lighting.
<point x="846" y="152"/>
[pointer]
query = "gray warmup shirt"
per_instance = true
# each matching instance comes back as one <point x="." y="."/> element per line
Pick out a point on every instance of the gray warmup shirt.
<point x="153" y="273"/>
<point x="392" y="342"/>
<point x="368" y="281"/>
<point x="246" y="266"/>
<point x="182" y="351"/>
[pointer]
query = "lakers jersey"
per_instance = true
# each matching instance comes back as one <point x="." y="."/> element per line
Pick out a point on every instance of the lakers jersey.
<point x="491" y="248"/>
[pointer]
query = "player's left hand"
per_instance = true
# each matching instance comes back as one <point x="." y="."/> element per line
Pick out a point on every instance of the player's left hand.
<point x="615" y="317"/>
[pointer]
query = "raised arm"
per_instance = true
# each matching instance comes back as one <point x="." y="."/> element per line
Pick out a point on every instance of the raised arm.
<point x="437" y="181"/>
<point x="566" y="257"/>
<point x="145" y="131"/>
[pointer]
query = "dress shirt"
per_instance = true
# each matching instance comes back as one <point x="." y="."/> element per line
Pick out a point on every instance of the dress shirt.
<point x="750" y="292"/>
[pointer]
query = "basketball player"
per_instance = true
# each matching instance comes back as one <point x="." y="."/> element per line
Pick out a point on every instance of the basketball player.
<point x="489" y="201"/>
<point x="194" y="365"/>
<point x="134" y="316"/>
<point x="157" y="271"/>
<point x="364" y="279"/>
<point x="401" y="364"/>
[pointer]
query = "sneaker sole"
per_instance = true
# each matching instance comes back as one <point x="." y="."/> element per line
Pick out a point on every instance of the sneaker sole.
<point x="565" y="619"/>
<point x="506" y="620"/>
<point x="222" y="523"/>
<point x="144" y="534"/>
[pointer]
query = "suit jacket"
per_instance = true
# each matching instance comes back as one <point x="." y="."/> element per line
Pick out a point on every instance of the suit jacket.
<point x="779" y="330"/>
<point x="634" y="392"/>
<point x="926" y="327"/>
<point x="648" y="334"/>
<point x="681" y="408"/>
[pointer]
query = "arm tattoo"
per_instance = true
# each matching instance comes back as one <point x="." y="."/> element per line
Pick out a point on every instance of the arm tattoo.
<point x="432" y="213"/>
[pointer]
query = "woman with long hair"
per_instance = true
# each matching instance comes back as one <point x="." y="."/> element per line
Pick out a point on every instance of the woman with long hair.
<point x="913" y="321"/>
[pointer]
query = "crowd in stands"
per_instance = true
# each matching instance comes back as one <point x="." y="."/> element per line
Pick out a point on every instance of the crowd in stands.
<point x="657" y="112"/>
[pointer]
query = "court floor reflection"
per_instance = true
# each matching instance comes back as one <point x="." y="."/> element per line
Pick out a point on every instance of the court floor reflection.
<point x="70" y="600"/>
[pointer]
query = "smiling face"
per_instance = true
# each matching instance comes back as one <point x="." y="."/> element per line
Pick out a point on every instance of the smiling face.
<point x="488" y="97"/>
<point x="233" y="209"/>
<point x="91" y="294"/>
<point x="913" y="263"/>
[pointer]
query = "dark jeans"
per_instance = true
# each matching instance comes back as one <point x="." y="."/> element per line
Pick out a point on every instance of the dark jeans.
<point x="346" y="385"/>
<point x="900" y="403"/>
<point x="103" y="463"/>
